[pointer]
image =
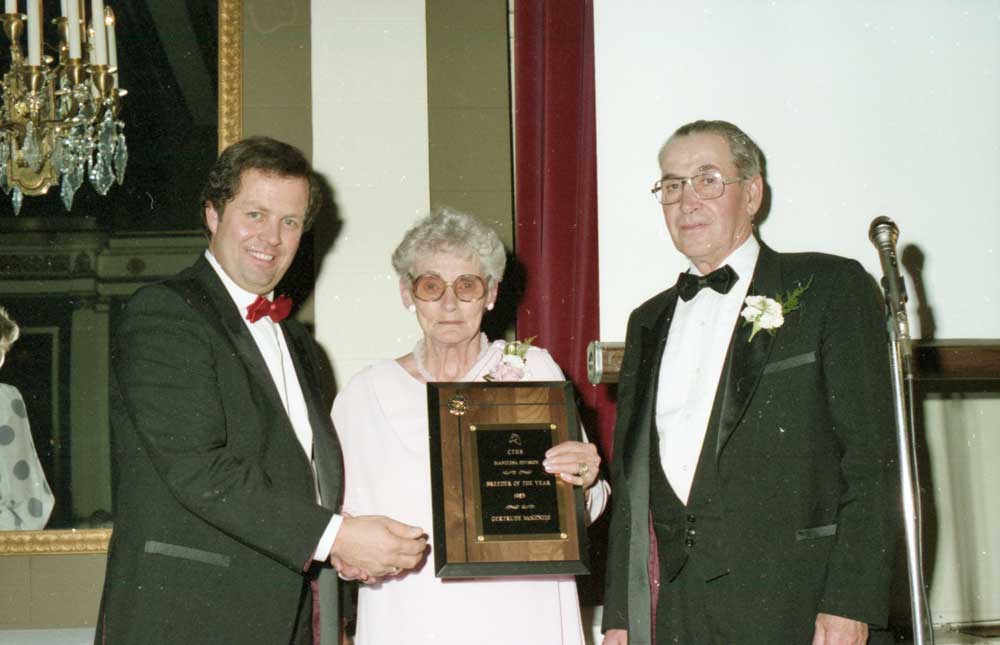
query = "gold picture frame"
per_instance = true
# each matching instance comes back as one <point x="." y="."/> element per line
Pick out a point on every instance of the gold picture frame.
<point x="230" y="72"/>
<point x="230" y="34"/>
<point x="54" y="542"/>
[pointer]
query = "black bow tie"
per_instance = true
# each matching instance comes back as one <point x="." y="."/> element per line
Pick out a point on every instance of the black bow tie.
<point x="722" y="280"/>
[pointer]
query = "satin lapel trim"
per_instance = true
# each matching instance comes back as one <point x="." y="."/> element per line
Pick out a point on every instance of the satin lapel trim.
<point x="652" y="342"/>
<point x="653" y="337"/>
<point x="746" y="360"/>
<point x="310" y="388"/>
<point x="326" y="448"/>
<point x="256" y="366"/>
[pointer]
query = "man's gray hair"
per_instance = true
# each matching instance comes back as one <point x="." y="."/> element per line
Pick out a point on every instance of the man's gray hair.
<point x="451" y="231"/>
<point x="747" y="157"/>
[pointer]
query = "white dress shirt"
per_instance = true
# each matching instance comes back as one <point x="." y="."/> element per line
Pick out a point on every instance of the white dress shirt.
<point x="270" y="341"/>
<point x="692" y="363"/>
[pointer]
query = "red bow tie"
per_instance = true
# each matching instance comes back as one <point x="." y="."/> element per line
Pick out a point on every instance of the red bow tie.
<point x="277" y="310"/>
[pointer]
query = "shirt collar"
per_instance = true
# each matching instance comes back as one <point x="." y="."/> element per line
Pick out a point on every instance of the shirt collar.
<point x="240" y="296"/>
<point x="743" y="259"/>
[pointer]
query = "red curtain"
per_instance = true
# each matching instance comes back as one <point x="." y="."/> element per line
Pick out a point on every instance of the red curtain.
<point x="556" y="191"/>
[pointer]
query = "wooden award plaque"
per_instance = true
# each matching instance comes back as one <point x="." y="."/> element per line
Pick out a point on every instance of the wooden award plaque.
<point x="496" y="511"/>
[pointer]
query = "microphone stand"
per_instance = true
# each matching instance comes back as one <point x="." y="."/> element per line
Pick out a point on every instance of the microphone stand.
<point x="883" y="233"/>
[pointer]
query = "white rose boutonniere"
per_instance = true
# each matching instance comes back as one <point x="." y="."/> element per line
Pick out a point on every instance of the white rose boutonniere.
<point x="512" y="362"/>
<point x="769" y="313"/>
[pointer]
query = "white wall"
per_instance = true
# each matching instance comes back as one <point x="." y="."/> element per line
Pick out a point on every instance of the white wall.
<point x="862" y="109"/>
<point x="369" y="85"/>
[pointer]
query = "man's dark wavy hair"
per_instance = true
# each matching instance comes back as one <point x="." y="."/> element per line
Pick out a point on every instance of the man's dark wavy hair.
<point x="267" y="155"/>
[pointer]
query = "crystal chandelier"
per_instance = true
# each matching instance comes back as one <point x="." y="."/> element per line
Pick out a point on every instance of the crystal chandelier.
<point x="58" y="122"/>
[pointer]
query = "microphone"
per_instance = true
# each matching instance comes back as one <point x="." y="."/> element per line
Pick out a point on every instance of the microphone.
<point x="883" y="233"/>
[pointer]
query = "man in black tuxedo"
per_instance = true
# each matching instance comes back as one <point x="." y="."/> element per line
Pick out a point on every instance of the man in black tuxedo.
<point x="753" y="466"/>
<point x="230" y="475"/>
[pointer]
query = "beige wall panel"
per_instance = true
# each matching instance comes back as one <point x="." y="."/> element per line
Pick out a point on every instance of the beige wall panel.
<point x="468" y="65"/>
<point x="493" y="207"/>
<point x="468" y="85"/>
<point x="470" y="148"/>
<point x="276" y="54"/>
<point x="50" y="591"/>
<point x="15" y="591"/>
<point x="66" y="590"/>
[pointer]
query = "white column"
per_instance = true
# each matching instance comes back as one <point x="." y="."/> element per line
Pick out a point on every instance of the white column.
<point x="369" y="89"/>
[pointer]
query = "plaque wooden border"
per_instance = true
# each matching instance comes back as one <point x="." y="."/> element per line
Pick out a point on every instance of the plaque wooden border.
<point x="462" y="548"/>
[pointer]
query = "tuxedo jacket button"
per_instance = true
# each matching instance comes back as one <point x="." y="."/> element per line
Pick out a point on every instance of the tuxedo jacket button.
<point x="690" y="518"/>
<point x="689" y="542"/>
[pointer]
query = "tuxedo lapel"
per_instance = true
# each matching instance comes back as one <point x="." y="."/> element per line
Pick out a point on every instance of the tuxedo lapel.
<point x="231" y="320"/>
<point x="638" y="410"/>
<point x="306" y="376"/>
<point x="326" y="448"/>
<point x="652" y="340"/>
<point x="746" y="359"/>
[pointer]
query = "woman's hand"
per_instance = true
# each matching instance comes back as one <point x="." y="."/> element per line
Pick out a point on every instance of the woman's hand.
<point x="575" y="462"/>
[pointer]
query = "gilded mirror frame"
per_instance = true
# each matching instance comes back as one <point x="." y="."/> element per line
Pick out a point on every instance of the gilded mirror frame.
<point x="70" y="541"/>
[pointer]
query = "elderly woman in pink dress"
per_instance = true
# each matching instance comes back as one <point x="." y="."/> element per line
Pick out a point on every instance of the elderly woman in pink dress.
<point x="449" y="268"/>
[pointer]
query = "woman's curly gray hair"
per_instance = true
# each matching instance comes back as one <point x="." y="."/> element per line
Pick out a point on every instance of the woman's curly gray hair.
<point x="451" y="231"/>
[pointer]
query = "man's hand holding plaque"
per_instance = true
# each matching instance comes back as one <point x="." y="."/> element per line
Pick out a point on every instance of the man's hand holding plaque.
<point x="373" y="546"/>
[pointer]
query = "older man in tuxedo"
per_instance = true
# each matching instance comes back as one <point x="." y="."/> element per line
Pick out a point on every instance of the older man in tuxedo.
<point x="753" y="471"/>
<point x="230" y="475"/>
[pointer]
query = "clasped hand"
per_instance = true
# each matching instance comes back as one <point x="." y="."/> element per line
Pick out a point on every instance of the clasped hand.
<point x="369" y="547"/>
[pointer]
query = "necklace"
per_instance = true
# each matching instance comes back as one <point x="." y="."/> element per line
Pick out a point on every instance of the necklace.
<point x="419" y="352"/>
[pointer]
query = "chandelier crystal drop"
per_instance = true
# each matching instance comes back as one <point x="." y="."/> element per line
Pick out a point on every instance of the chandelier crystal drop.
<point x="59" y="120"/>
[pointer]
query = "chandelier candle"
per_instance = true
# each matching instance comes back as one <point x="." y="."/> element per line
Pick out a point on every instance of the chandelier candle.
<point x="109" y="21"/>
<point x="100" y="35"/>
<point x="71" y="11"/>
<point x="35" y="32"/>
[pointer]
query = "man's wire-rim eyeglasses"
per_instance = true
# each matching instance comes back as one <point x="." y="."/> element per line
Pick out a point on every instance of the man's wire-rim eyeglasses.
<point x="706" y="185"/>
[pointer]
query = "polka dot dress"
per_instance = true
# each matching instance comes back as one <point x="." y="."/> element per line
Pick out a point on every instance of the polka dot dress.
<point x="25" y="498"/>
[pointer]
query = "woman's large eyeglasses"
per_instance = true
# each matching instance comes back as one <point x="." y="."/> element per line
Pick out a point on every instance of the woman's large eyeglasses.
<point x="430" y="287"/>
<point x="707" y="185"/>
